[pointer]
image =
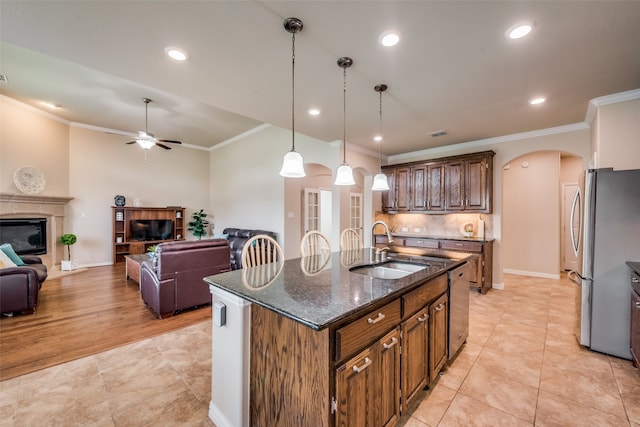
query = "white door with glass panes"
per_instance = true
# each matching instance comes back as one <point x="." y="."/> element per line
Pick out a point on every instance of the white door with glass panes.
<point x="311" y="209"/>
<point x="355" y="211"/>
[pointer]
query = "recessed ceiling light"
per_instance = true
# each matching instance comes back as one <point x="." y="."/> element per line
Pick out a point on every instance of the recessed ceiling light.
<point x="389" y="38"/>
<point x="313" y="112"/>
<point x="537" y="100"/>
<point x="377" y="138"/>
<point x="176" y="53"/>
<point x="520" y="30"/>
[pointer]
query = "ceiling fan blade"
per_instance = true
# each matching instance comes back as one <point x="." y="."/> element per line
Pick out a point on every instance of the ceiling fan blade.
<point x="170" y="141"/>
<point x="166" y="147"/>
<point x="131" y="142"/>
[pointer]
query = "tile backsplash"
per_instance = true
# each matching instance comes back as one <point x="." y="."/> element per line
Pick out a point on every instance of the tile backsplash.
<point x="436" y="225"/>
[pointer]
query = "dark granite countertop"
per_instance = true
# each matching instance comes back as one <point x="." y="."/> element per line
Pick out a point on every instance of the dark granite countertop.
<point x="320" y="291"/>
<point x="635" y="266"/>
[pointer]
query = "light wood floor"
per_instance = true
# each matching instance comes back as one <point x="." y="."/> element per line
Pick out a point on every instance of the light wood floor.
<point x="80" y="315"/>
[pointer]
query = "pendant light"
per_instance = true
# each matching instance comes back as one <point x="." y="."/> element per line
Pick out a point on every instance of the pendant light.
<point x="344" y="174"/>
<point x="293" y="165"/>
<point x="380" y="180"/>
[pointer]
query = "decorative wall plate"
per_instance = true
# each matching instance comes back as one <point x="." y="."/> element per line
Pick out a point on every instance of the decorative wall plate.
<point x="29" y="180"/>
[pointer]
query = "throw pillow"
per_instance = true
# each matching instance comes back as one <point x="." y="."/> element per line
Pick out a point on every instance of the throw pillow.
<point x="5" y="261"/>
<point x="8" y="250"/>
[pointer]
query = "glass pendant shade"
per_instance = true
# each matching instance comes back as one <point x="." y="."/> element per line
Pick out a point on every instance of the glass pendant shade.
<point x="380" y="183"/>
<point x="292" y="165"/>
<point x="344" y="175"/>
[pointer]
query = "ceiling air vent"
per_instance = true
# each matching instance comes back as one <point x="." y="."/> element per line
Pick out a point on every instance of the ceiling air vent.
<point x="437" y="133"/>
<point x="3" y="79"/>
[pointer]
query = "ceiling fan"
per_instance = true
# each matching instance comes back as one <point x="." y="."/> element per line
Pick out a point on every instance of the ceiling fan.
<point x="146" y="139"/>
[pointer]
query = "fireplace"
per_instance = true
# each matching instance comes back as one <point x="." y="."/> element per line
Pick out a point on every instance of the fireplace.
<point x="28" y="236"/>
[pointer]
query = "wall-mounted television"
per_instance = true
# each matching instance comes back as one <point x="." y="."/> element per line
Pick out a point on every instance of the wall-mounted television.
<point x="151" y="229"/>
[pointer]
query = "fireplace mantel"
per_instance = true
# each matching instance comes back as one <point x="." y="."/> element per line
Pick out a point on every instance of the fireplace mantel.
<point x="18" y="205"/>
<point x="34" y="198"/>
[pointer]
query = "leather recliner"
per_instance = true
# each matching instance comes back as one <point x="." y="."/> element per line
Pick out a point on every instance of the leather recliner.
<point x="237" y="238"/>
<point x="20" y="285"/>
<point x="173" y="280"/>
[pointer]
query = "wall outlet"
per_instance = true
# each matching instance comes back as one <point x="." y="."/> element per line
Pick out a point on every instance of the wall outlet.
<point x="416" y="230"/>
<point x="405" y="229"/>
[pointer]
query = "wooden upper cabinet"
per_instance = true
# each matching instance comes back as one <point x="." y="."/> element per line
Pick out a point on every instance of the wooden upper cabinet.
<point x="452" y="184"/>
<point x="435" y="187"/>
<point x="403" y="189"/>
<point x="476" y="184"/>
<point x="419" y="188"/>
<point x="389" y="197"/>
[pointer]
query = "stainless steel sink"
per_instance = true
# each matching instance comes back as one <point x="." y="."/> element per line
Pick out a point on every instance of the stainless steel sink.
<point x="388" y="270"/>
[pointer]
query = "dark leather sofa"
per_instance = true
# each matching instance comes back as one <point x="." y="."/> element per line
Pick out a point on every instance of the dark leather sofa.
<point x="20" y="286"/>
<point x="173" y="280"/>
<point x="237" y="237"/>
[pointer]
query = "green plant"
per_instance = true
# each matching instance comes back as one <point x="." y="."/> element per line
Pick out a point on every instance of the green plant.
<point x="199" y="224"/>
<point x="68" y="240"/>
<point x="152" y="249"/>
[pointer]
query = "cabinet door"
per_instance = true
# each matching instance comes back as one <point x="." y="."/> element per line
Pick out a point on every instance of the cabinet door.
<point x="419" y="188"/>
<point x="435" y="187"/>
<point x="355" y="388"/>
<point x="389" y="197"/>
<point x="635" y="327"/>
<point x="454" y="187"/>
<point x="387" y="398"/>
<point x="438" y="336"/>
<point x="403" y="189"/>
<point x="476" y="184"/>
<point x="415" y="363"/>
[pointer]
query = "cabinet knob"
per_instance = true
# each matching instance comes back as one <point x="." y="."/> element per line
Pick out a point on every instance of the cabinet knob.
<point x="637" y="304"/>
<point x="366" y="363"/>
<point x="378" y="318"/>
<point x="423" y="318"/>
<point x="440" y="307"/>
<point x="634" y="280"/>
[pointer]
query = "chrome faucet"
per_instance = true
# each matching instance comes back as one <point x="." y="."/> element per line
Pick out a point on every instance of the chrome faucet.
<point x="373" y="239"/>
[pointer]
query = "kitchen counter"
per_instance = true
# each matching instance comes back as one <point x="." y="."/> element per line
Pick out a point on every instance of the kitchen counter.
<point x="279" y="327"/>
<point x="635" y="266"/>
<point x="319" y="292"/>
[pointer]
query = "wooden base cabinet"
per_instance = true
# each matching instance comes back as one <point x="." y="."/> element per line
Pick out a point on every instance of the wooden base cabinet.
<point x="424" y="348"/>
<point x="368" y="385"/>
<point x="353" y="374"/>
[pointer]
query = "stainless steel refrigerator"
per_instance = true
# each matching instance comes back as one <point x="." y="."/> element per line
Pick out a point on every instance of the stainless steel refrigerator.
<point x="611" y="236"/>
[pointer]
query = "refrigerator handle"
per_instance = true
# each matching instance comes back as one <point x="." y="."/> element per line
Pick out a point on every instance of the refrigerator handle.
<point x="575" y="210"/>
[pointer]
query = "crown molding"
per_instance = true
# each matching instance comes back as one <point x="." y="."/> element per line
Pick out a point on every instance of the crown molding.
<point x="240" y="136"/>
<point x="491" y="141"/>
<point x="33" y="109"/>
<point x="609" y="99"/>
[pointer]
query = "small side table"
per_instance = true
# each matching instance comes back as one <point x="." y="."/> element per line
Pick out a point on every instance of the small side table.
<point x="132" y="266"/>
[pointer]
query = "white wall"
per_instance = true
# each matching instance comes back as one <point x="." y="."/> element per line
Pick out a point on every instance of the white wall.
<point x="102" y="166"/>
<point x="248" y="192"/>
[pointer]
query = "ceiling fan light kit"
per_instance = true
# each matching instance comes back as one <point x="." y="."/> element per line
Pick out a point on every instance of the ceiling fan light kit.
<point x="380" y="180"/>
<point x="145" y="139"/>
<point x="293" y="164"/>
<point x="344" y="174"/>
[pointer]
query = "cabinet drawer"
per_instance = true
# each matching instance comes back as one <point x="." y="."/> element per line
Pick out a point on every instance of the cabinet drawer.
<point x="457" y="245"/>
<point x="417" y="299"/>
<point x="417" y="242"/>
<point x="366" y="329"/>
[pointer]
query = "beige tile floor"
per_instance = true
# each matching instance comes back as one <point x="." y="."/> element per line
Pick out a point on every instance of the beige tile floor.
<point x="521" y="366"/>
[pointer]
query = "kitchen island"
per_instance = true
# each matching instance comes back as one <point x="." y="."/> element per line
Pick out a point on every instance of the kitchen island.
<point x="314" y="343"/>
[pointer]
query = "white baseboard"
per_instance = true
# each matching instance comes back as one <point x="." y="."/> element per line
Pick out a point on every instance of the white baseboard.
<point x="498" y="286"/>
<point x="531" y="273"/>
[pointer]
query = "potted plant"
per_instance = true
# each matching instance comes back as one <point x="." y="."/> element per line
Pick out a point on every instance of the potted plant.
<point x="151" y="250"/>
<point x="68" y="240"/>
<point x="198" y="226"/>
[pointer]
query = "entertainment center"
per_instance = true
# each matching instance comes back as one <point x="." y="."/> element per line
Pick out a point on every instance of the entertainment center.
<point x="135" y="229"/>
